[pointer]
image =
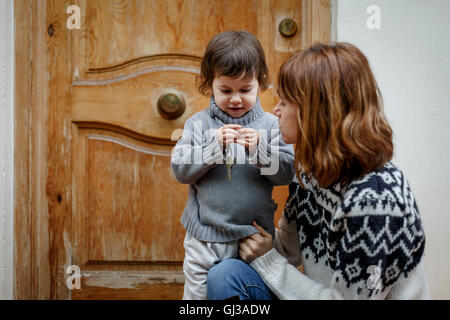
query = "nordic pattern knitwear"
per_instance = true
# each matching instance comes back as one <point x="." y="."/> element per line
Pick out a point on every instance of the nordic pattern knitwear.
<point x="362" y="242"/>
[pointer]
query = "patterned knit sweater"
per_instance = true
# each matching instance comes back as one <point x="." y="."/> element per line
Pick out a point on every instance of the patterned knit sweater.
<point x="365" y="242"/>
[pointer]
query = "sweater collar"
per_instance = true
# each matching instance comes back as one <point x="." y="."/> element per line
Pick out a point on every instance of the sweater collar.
<point x="254" y="113"/>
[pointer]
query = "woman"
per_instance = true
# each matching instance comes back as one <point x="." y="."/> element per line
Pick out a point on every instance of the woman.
<point x="351" y="219"/>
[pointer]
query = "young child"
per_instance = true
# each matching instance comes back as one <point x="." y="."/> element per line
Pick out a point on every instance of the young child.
<point x="231" y="155"/>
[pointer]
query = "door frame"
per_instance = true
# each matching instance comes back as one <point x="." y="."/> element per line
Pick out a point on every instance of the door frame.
<point x="30" y="250"/>
<point x="34" y="271"/>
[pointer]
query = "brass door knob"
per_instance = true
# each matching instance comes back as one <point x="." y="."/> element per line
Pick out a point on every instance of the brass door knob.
<point x="171" y="105"/>
<point x="287" y="27"/>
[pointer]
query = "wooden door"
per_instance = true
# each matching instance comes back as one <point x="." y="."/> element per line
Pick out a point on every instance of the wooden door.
<point x="102" y="196"/>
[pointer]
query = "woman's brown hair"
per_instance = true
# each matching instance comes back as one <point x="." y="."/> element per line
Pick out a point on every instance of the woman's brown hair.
<point x="233" y="54"/>
<point x="343" y="131"/>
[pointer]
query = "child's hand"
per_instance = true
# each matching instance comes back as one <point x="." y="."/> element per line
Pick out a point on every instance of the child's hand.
<point x="227" y="134"/>
<point x="255" y="245"/>
<point x="249" y="138"/>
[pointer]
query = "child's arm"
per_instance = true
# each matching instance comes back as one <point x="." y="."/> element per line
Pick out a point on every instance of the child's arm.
<point x="192" y="157"/>
<point x="274" y="157"/>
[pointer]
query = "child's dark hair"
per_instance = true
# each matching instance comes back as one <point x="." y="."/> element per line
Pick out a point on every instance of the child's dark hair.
<point x="233" y="54"/>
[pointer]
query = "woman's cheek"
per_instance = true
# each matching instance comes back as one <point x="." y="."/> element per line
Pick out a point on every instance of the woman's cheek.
<point x="288" y="131"/>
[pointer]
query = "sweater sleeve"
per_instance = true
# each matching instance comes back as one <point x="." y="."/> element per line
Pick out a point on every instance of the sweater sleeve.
<point x="274" y="157"/>
<point x="286" y="241"/>
<point x="368" y="255"/>
<point x="192" y="157"/>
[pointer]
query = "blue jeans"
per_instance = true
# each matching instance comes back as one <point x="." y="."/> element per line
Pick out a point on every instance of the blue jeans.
<point x="233" y="277"/>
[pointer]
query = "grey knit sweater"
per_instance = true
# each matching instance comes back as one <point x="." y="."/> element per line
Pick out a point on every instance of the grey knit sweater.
<point x="219" y="210"/>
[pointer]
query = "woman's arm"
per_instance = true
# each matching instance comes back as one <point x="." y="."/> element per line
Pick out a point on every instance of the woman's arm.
<point x="373" y="253"/>
<point x="288" y="283"/>
<point x="287" y="242"/>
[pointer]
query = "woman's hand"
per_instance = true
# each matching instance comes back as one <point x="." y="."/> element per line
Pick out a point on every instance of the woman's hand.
<point x="255" y="245"/>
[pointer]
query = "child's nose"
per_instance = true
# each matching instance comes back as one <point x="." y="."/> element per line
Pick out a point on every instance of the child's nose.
<point x="235" y="99"/>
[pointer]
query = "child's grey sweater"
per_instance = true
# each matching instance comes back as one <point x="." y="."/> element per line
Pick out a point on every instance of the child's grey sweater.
<point x="219" y="210"/>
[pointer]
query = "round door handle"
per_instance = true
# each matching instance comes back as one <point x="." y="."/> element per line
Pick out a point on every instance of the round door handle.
<point x="171" y="105"/>
<point x="287" y="27"/>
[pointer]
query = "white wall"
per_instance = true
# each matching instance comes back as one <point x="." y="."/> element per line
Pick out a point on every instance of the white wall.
<point x="6" y="149"/>
<point x="410" y="58"/>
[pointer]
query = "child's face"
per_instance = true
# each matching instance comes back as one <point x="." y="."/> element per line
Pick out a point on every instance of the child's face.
<point x="287" y="119"/>
<point x="235" y="96"/>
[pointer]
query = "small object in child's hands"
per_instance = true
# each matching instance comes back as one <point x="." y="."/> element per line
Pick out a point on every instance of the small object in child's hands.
<point x="229" y="165"/>
<point x="229" y="162"/>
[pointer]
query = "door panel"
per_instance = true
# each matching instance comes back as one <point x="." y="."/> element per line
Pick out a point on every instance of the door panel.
<point x="110" y="204"/>
<point x="132" y="103"/>
<point x="127" y="239"/>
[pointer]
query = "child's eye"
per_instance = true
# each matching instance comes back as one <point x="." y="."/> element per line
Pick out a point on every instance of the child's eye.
<point x="245" y="90"/>
<point x="226" y="91"/>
